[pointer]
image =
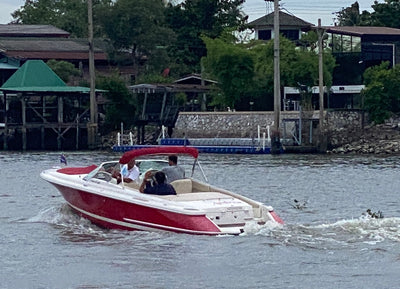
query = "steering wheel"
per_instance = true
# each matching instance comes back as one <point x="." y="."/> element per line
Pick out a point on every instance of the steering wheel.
<point x="153" y="171"/>
<point x="103" y="175"/>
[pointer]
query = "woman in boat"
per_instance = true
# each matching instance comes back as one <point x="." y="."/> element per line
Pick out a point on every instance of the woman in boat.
<point x="160" y="187"/>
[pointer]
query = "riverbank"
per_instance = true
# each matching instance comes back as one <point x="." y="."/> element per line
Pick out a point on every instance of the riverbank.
<point x="374" y="139"/>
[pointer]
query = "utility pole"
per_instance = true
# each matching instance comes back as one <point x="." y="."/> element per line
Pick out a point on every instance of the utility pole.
<point x="276" y="139"/>
<point x="322" y="142"/>
<point x="92" y="126"/>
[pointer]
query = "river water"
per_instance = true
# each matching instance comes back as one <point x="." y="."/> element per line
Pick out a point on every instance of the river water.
<point x="326" y="243"/>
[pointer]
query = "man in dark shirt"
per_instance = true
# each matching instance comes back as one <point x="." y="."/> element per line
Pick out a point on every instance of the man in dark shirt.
<point x="159" y="188"/>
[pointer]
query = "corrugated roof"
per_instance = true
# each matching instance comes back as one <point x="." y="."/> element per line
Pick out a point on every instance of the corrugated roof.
<point x="193" y="79"/>
<point x="285" y="20"/>
<point x="22" y="30"/>
<point x="170" y="87"/>
<point x="48" y="48"/>
<point x="46" y="55"/>
<point x="35" y="44"/>
<point x="362" y="30"/>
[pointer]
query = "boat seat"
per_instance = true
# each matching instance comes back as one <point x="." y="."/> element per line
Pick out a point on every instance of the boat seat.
<point x="133" y="185"/>
<point x="193" y="197"/>
<point x="182" y="186"/>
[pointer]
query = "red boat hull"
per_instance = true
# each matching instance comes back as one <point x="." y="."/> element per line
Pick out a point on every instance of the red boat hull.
<point x="118" y="214"/>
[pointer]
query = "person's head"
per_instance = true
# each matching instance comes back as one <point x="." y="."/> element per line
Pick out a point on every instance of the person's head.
<point x="131" y="163"/>
<point x="172" y="160"/>
<point x="160" y="177"/>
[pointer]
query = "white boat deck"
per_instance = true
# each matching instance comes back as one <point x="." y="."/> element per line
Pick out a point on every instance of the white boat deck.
<point x="201" y="196"/>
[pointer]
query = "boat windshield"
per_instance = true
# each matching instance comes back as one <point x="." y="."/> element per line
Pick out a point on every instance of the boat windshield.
<point x="108" y="167"/>
<point x="145" y="165"/>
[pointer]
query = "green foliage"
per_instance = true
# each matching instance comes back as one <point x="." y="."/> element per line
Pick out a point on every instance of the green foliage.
<point x="297" y="67"/>
<point x="69" y="15"/>
<point x="349" y="16"/>
<point x="382" y="93"/>
<point x="140" y="29"/>
<point x="385" y="14"/>
<point x="193" y="18"/>
<point x="246" y="72"/>
<point x="64" y="69"/>
<point x="232" y="66"/>
<point x="181" y="98"/>
<point x="309" y="41"/>
<point x="122" y="105"/>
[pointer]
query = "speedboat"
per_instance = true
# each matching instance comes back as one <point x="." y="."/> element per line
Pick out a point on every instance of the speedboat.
<point x="197" y="208"/>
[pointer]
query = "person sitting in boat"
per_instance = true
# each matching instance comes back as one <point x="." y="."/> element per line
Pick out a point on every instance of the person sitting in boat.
<point x="129" y="172"/>
<point x="160" y="187"/>
<point x="173" y="171"/>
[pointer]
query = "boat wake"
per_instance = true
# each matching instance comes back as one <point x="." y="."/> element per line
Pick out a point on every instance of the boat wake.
<point x="352" y="232"/>
<point x="329" y="236"/>
<point x="70" y="223"/>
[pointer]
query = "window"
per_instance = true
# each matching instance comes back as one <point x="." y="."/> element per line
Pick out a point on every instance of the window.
<point x="291" y="34"/>
<point x="264" y="34"/>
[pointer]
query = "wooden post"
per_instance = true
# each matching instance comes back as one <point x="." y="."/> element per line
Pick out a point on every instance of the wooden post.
<point x="204" y="96"/>
<point x="77" y="132"/>
<point x="144" y="105"/>
<point x="24" y="140"/>
<point x="60" y="106"/>
<point x="42" y="129"/>
<point x="163" y="106"/>
<point x="43" y="136"/>
<point x="60" y="120"/>
<point x="5" y="143"/>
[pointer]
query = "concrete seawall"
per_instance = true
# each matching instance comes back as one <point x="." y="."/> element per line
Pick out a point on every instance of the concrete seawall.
<point x="342" y="127"/>
<point x="225" y="124"/>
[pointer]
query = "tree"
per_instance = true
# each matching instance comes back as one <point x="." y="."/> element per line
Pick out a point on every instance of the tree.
<point x="69" y="15"/>
<point x="385" y="14"/>
<point x="139" y="28"/>
<point x="297" y="67"/>
<point x="192" y="19"/>
<point x="246" y="72"/>
<point x="349" y="16"/>
<point x="64" y="69"/>
<point x="122" y="105"/>
<point x="232" y="66"/>
<point x="382" y="96"/>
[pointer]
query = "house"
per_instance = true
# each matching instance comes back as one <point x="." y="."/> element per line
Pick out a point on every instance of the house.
<point x="19" y="43"/>
<point x="355" y="49"/>
<point x="358" y="47"/>
<point x="290" y="26"/>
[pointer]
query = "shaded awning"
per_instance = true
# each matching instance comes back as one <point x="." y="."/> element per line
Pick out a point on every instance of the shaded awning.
<point x="8" y="66"/>
<point x="160" y="150"/>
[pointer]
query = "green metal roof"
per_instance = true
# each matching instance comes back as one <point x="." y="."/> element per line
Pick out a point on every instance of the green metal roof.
<point x="36" y="76"/>
<point x="34" y="73"/>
